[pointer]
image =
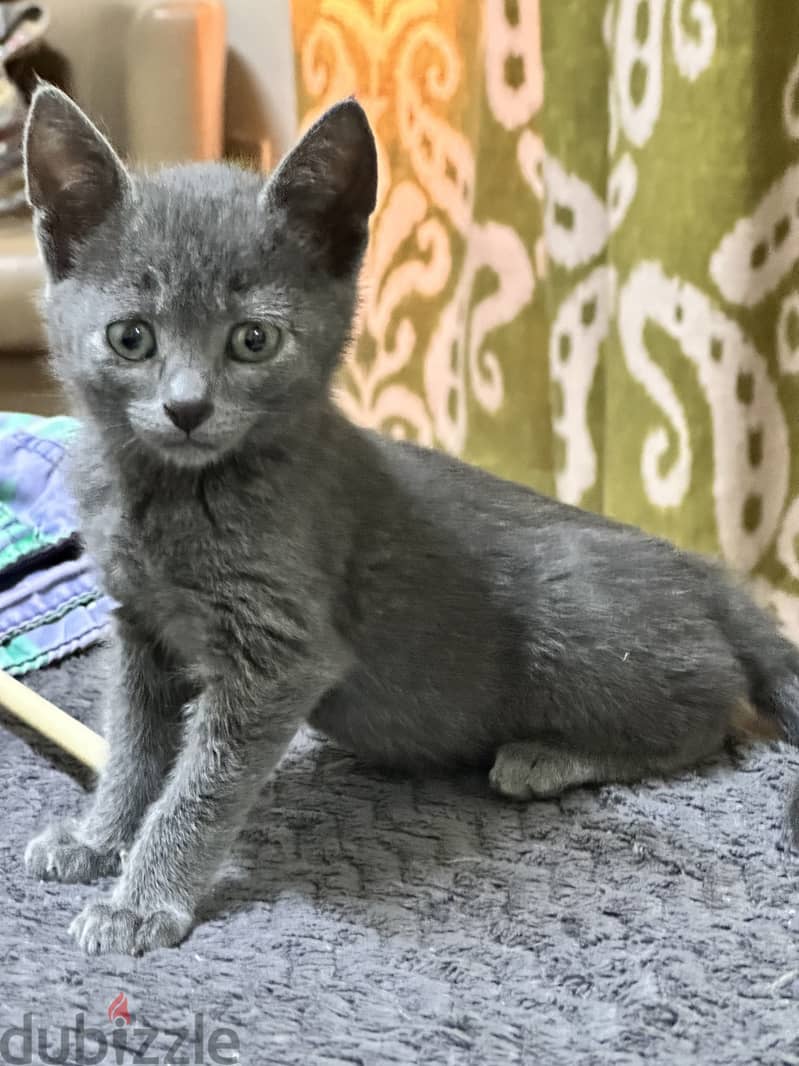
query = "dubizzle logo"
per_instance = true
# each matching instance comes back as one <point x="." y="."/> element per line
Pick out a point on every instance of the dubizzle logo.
<point x="118" y="1009"/>
<point x="139" y="1045"/>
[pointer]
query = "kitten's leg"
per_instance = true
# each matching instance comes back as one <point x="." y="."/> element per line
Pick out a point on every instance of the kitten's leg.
<point x="533" y="769"/>
<point x="141" y="726"/>
<point x="235" y="736"/>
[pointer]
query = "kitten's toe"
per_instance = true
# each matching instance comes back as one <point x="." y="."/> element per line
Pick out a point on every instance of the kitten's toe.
<point x="101" y="927"/>
<point x="161" y="929"/>
<point x="56" y="855"/>
<point x="527" y="770"/>
<point x="509" y="773"/>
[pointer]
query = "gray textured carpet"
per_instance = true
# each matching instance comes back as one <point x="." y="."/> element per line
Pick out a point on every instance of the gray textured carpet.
<point x="375" y="921"/>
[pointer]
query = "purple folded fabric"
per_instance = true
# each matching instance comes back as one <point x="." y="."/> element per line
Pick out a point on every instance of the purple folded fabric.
<point x="50" y="641"/>
<point x="37" y="513"/>
<point x="51" y="603"/>
<point x="44" y="594"/>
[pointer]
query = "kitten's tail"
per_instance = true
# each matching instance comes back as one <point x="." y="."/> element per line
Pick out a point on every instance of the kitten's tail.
<point x="771" y="665"/>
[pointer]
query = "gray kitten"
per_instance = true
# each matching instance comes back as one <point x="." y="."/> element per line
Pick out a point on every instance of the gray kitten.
<point x="275" y="564"/>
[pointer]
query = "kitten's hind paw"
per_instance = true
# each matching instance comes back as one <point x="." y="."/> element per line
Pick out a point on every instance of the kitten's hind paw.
<point x="56" y="855"/>
<point x="530" y="770"/>
<point x="102" y="927"/>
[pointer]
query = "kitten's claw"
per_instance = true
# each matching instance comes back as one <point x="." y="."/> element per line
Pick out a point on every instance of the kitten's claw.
<point x="56" y="855"/>
<point x="103" y="927"/>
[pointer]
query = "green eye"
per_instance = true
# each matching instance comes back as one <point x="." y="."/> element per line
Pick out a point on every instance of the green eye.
<point x="132" y="339"/>
<point x="252" y="342"/>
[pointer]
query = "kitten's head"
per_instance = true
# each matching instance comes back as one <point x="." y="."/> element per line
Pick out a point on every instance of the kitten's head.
<point x="201" y="309"/>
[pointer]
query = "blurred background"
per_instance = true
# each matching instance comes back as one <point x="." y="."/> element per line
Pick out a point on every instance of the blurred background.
<point x="583" y="268"/>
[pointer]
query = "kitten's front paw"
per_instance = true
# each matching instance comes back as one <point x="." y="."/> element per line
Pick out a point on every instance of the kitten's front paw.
<point x="56" y="855"/>
<point x="102" y="927"/>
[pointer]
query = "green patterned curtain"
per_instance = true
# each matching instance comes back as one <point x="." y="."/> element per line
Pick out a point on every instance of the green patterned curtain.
<point x="583" y="267"/>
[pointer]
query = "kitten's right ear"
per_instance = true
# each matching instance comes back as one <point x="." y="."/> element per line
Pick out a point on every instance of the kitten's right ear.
<point x="73" y="176"/>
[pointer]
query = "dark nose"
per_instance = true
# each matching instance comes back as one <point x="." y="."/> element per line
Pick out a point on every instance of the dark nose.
<point x="188" y="414"/>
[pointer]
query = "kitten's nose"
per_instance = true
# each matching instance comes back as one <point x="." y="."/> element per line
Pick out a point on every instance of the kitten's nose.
<point x="188" y="414"/>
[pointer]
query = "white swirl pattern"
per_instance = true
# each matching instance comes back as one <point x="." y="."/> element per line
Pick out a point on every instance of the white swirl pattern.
<point x="750" y="435"/>
<point x="579" y="329"/>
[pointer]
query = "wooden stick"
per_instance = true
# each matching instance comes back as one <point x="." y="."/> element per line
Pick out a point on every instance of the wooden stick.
<point x="64" y="730"/>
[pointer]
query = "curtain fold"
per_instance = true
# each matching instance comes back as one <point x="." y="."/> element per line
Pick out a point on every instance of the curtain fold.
<point x="583" y="267"/>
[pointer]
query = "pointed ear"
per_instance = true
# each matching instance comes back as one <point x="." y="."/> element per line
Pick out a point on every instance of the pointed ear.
<point x="72" y="174"/>
<point x="328" y="184"/>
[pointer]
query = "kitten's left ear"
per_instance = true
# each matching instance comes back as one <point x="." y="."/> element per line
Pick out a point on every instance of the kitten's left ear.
<point x="73" y="176"/>
<point x="328" y="184"/>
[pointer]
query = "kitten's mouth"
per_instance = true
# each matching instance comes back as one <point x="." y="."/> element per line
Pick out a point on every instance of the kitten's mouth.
<point x="186" y="451"/>
<point x="189" y="442"/>
<point x="194" y="449"/>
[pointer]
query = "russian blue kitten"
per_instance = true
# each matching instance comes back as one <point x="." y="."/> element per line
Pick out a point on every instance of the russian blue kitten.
<point x="276" y="564"/>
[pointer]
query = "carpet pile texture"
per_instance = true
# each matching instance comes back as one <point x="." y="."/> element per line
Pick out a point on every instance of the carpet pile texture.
<point x="369" y="920"/>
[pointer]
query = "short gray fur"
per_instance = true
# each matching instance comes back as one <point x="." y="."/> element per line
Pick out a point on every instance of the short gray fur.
<point x="276" y="565"/>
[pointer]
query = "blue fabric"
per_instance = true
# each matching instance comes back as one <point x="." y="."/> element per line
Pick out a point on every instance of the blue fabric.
<point x="51" y="603"/>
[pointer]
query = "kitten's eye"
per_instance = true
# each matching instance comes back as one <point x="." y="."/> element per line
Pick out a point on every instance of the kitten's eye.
<point x="131" y="339"/>
<point x="252" y="342"/>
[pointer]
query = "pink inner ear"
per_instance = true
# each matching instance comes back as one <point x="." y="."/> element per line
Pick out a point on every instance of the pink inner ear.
<point x="67" y="168"/>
